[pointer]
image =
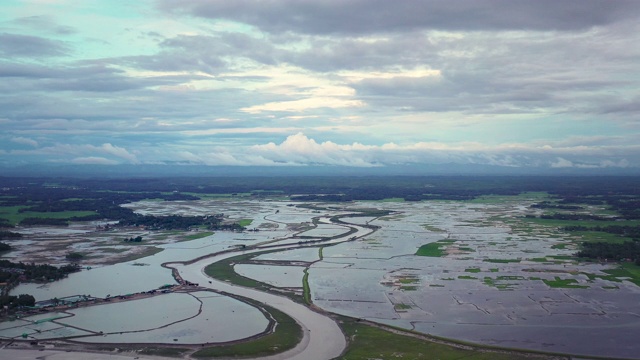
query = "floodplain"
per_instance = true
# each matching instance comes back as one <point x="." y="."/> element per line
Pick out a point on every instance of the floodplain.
<point x="489" y="271"/>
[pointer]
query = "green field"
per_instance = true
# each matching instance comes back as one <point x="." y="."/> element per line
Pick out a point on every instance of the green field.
<point x="199" y="235"/>
<point x="12" y="214"/>
<point x="370" y="342"/>
<point x="434" y="249"/>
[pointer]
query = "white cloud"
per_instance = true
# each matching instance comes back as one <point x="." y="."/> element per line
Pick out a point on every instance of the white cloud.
<point x="93" y="160"/>
<point x="24" y="141"/>
<point x="562" y="163"/>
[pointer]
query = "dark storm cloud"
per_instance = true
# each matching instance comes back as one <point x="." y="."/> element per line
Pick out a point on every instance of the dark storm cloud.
<point x="13" y="45"/>
<point x="365" y="16"/>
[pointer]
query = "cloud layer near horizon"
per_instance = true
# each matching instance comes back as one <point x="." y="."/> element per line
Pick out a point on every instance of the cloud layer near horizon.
<point x="542" y="84"/>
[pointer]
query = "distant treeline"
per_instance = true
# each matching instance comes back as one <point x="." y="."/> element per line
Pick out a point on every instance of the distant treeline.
<point x="629" y="250"/>
<point x="13" y="273"/>
<point x="104" y="197"/>
<point x="9" y="235"/>
<point x="621" y="230"/>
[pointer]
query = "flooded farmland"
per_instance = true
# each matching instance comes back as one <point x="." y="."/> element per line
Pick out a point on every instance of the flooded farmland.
<point x="491" y="278"/>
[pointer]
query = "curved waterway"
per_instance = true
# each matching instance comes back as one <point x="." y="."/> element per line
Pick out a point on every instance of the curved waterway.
<point x="322" y="337"/>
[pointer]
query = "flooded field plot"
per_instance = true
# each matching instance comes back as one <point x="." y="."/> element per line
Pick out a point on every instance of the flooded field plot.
<point x="479" y="279"/>
<point x="304" y="254"/>
<point x="201" y="317"/>
<point x="279" y="276"/>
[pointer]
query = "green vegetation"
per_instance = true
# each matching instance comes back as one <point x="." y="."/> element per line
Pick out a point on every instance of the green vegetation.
<point x="434" y="249"/>
<point x="502" y="261"/>
<point x="467" y="277"/>
<point x="626" y="270"/>
<point x="9" y="235"/>
<point x="286" y="336"/>
<point x="401" y="306"/>
<point x="74" y="256"/>
<point x="472" y="270"/>
<point x="164" y="351"/>
<point x="245" y="222"/>
<point x="433" y="228"/>
<point x="198" y="235"/>
<point x="306" y="290"/>
<point x="13" y="215"/>
<point x="564" y="283"/>
<point x="372" y="342"/>
<point x="408" y="280"/>
<point x="223" y="270"/>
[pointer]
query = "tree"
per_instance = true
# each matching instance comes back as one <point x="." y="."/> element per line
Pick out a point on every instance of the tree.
<point x="25" y="300"/>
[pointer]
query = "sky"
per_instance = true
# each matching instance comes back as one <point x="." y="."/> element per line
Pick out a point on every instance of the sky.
<point x="542" y="84"/>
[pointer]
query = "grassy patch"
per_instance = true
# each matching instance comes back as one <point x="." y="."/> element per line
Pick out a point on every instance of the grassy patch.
<point x="164" y="351"/>
<point x="502" y="261"/>
<point x="199" y="235"/>
<point x="599" y="236"/>
<point x="467" y="277"/>
<point x="287" y="334"/>
<point x="473" y="270"/>
<point x="564" y="283"/>
<point x="223" y="270"/>
<point x="245" y="222"/>
<point x="510" y="277"/>
<point x="433" y="228"/>
<point x="11" y="214"/>
<point x="627" y="270"/>
<point x="408" y="280"/>
<point x="306" y="290"/>
<point x="434" y="249"/>
<point x="368" y="342"/>
<point x="587" y="223"/>
<point x="402" y="306"/>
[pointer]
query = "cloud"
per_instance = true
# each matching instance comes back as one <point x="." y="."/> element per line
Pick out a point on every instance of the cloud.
<point x="366" y="16"/>
<point x="118" y="152"/>
<point x="92" y="160"/>
<point x="16" y="45"/>
<point x="25" y="141"/>
<point x="300" y="149"/>
<point x="42" y="22"/>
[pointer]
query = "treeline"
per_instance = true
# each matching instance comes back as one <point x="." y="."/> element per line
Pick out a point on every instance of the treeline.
<point x="9" y="235"/>
<point x="629" y="250"/>
<point x="577" y="217"/>
<point x="550" y="205"/>
<point x="621" y="230"/>
<point x="175" y="222"/>
<point x="12" y="302"/>
<point x="13" y="273"/>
